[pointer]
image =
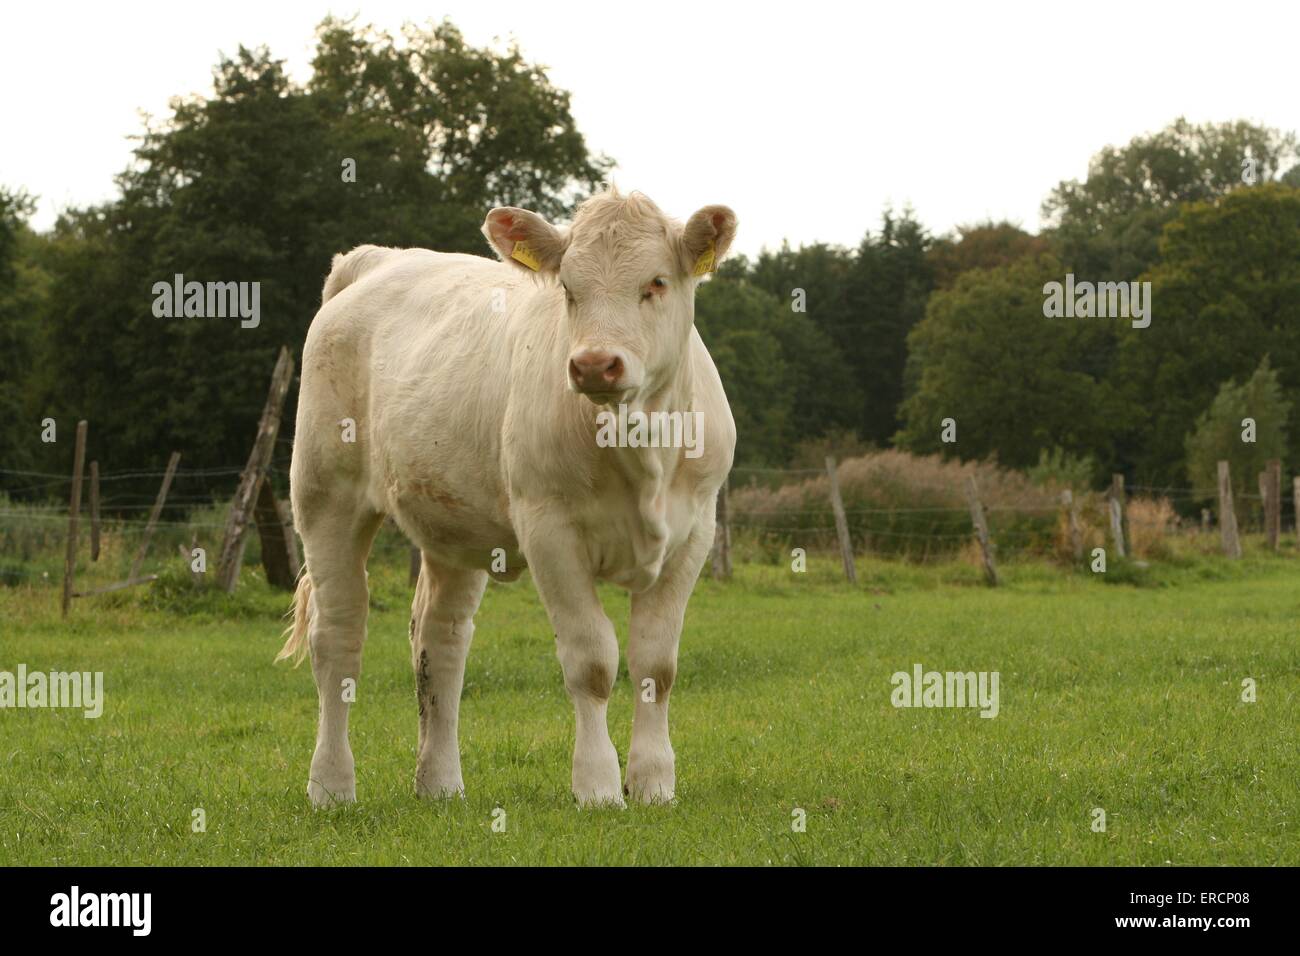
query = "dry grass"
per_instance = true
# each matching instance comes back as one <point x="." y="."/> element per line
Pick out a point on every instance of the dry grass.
<point x="1092" y="529"/>
<point x="1149" y="523"/>
<point x="904" y="504"/>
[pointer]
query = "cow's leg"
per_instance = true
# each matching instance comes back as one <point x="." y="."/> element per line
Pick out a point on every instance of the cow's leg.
<point x="588" y="652"/>
<point x="442" y="625"/>
<point x="336" y="542"/>
<point x="656" y="629"/>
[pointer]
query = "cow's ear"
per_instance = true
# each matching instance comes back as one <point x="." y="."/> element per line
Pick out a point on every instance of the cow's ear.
<point x="524" y="239"/>
<point x="706" y="237"/>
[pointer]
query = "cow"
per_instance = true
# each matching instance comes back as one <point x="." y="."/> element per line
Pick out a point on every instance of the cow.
<point x="464" y="396"/>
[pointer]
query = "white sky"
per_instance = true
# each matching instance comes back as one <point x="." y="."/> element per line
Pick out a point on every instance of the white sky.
<point x="807" y="118"/>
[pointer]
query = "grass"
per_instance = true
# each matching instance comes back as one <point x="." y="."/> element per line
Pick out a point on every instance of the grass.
<point x="1126" y="698"/>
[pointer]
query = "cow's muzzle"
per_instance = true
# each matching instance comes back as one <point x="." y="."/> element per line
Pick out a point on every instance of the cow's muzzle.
<point x="597" y="373"/>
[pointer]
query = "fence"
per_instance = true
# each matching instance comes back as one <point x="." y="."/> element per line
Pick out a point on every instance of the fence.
<point x="137" y="527"/>
<point x="949" y="528"/>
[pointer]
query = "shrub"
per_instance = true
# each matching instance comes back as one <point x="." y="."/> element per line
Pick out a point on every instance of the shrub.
<point x="902" y="504"/>
<point x="1149" y="523"/>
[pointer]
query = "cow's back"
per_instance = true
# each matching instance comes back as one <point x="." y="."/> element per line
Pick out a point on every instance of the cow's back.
<point x="411" y="348"/>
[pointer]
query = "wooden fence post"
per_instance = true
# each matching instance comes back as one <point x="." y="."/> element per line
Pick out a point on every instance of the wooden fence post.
<point x="1205" y="520"/>
<point x="1263" y="501"/>
<point x="1295" y="500"/>
<point x="94" y="511"/>
<point x="241" y="508"/>
<point x="1117" y="513"/>
<point x="841" y="522"/>
<point x="1273" y="502"/>
<point x="1072" y="516"/>
<point x="74" y="510"/>
<point x="154" y="512"/>
<point x="981" y="531"/>
<point x="721" y="557"/>
<point x="1227" y="518"/>
<point x="279" y="548"/>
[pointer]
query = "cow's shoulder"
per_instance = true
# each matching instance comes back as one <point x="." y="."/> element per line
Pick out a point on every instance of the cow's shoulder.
<point x="710" y="398"/>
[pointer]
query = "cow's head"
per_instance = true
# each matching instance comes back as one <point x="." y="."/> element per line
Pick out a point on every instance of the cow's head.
<point x="627" y="275"/>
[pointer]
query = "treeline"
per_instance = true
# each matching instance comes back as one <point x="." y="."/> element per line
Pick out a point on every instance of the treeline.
<point x="398" y="141"/>
<point x="940" y="344"/>
<point x="905" y="341"/>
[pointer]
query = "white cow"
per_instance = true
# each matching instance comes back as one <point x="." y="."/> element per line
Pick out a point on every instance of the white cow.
<point x="471" y="390"/>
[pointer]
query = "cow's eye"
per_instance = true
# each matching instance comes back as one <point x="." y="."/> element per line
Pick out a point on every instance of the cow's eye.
<point x="656" y="285"/>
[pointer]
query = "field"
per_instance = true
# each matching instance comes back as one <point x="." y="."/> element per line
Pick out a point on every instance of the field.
<point x="1124" y="697"/>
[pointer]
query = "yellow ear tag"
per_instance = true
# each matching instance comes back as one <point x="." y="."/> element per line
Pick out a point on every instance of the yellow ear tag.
<point x="704" y="264"/>
<point x="524" y="253"/>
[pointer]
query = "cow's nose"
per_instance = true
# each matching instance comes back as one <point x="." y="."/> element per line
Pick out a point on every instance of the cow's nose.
<point x="594" y="370"/>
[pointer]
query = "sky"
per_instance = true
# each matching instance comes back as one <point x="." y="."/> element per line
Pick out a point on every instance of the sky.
<point x="809" y="119"/>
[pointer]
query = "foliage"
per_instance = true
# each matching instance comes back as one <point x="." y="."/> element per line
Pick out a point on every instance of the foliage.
<point x="901" y="504"/>
<point x="248" y="184"/>
<point x="1149" y="522"/>
<point x="22" y="286"/>
<point x="1014" y="381"/>
<point x="1225" y="294"/>
<point x="1061" y="469"/>
<point x="1219" y="433"/>
<point x="1108" y="226"/>
<point x="986" y="245"/>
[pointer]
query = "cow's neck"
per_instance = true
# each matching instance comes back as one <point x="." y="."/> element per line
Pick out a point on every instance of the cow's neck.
<point x="649" y="471"/>
<point x="651" y="466"/>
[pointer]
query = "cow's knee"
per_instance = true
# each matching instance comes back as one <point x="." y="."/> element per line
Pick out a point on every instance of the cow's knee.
<point x="657" y="664"/>
<point x="590" y="668"/>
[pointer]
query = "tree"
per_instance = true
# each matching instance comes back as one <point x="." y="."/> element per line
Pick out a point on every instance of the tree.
<point x="1107" y="227"/>
<point x="738" y="323"/>
<point x="1013" y="381"/>
<point x="248" y="184"/>
<point x="985" y="245"/>
<point x="1218" y="433"/>
<point x="809" y="286"/>
<point x="489" y="127"/>
<point x="864" y="303"/>
<point x="1223" y="297"/>
<point x="22" y="284"/>
<point x="889" y="285"/>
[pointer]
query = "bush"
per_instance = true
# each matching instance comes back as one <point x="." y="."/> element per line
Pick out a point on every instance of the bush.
<point x="1092" y="529"/>
<point x="1149" y="523"/>
<point x="907" y="505"/>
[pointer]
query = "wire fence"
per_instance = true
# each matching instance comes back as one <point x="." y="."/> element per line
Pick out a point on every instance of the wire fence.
<point x="933" y="511"/>
<point x="34" y="519"/>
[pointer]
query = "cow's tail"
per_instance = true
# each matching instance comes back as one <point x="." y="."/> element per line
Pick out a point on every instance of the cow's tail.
<point x="295" y="645"/>
<point x="348" y="268"/>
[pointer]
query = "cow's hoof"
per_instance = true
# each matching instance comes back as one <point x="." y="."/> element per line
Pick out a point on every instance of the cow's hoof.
<point x="596" y="779"/>
<point x="332" y="779"/>
<point x="428" y="787"/>
<point x="591" y="800"/>
<point x="324" y="795"/>
<point x="650" y="785"/>
<point x="651" y="792"/>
